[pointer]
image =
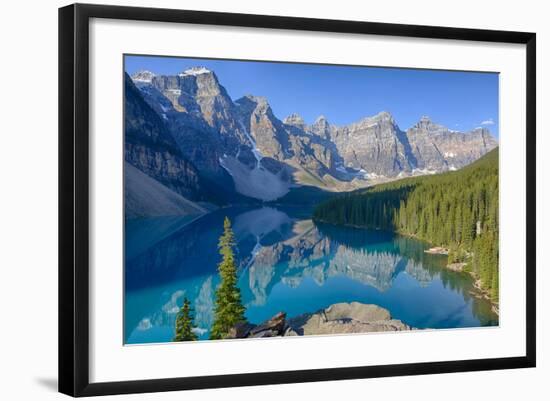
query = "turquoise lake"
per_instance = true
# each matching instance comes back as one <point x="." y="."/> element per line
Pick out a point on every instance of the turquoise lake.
<point x="286" y="263"/>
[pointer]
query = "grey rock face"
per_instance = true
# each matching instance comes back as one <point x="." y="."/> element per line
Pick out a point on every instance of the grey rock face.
<point x="375" y="145"/>
<point x="143" y="76"/>
<point x="201" y="94"/>
<point x="267" y="131"/>
<point x="150" y="147"/>
<point x="200" y="114"/>
<point x="287" y="141"/>
<point x="436" y="148"/>
<point x="311" y="148"/>
<point x="295" y="120"/>
<point x="221" y="137"/>
<point x="173" y="171"/>
<point x="322" y="128"/>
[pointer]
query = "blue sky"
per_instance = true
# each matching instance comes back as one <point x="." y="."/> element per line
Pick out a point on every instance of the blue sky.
<point x="459" y="100"/>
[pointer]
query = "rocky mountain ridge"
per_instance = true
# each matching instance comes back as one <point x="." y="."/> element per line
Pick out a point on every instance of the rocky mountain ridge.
<point x="150" y="147"/>
<point x="243" y="147"/>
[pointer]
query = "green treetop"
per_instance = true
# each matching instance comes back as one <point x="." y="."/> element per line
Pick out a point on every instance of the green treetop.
<point x="184" y="323"/>
<point x="228" y="309"/>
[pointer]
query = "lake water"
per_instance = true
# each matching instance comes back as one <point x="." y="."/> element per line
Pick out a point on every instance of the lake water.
<point x="287" y="263"/>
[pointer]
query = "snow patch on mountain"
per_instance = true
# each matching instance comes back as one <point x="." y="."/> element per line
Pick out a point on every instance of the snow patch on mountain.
<point x="195" y="71"/>
<point x="257" y="154"/>
<point x="372" y="176"/>
<point x="143" y="76"/>
<point x="423" y="171"/>
<point x="257" y="183"/>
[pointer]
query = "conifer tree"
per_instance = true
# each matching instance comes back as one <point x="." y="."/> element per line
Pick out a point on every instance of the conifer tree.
<point x="458" y="210"/>
<point x="228" y="309"/>
<point x="184" y="323"/>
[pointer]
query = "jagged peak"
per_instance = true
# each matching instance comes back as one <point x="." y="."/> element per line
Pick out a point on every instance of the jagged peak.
<point x="481" y="130"/>
<point x="194" y="71"/>
<point x="425" y="119"/>
<point x="260" y="100"/>
<point x="143" y="76"/>
<point x="295" y="119"/>
<point x="383" y="116"/>
<point x="426" y="123"/>
<point x="251" y="102"/>
<point x="321" y="120"/>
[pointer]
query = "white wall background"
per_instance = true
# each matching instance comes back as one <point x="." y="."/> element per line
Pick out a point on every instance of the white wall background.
<point x="28" y="199"/>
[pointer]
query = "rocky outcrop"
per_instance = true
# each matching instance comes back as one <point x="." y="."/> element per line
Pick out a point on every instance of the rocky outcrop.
<point x="341" y="318"/>
<point x="201" y="116"/>
<point x="270" y="328"/>
<point x="198" y="90"/>
<point x="144" y="76"/>
<point x="269" y="135"/>
<point x="322" y="128"/>
<point x="166" y="167"/>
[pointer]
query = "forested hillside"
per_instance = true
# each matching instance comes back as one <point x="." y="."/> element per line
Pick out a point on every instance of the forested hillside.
<point x="458" y="210"/>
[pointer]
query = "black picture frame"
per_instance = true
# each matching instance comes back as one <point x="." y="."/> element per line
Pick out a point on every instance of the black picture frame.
<point x="74" y="198"/>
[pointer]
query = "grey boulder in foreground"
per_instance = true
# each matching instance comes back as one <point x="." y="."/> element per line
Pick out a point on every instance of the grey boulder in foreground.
<point x="338" y="318"/>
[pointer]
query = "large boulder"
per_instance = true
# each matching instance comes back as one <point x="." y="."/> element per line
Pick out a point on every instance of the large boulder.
<point x="273" y="327"/>
<point x="338" y="318"/>
<point x="342" y="318"/>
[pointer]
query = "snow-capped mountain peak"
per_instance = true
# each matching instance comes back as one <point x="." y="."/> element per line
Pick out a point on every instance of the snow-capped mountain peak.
<point x="321" y="120"/>
<point x="143" y="76"/>
<point x="266" y="156"/>
<point x="195" y="71"/>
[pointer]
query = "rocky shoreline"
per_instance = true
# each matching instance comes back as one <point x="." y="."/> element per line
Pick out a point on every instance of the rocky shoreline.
<point x="458" y="267"/>
<point x="479" y="291"/>
<point x="483" y="294"/>
<point x="437" y="250"/>
<point x="338" y="318"/>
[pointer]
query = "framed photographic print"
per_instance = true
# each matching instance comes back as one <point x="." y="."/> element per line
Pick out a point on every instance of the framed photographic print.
<point x="250" y="199"/>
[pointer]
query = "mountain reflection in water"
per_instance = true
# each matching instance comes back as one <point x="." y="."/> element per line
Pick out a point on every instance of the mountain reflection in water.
<point x="287" y="263"/>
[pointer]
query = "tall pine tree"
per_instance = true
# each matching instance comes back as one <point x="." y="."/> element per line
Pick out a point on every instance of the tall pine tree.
<point x="184" y="323"/>
<point x="228" y="310"/>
